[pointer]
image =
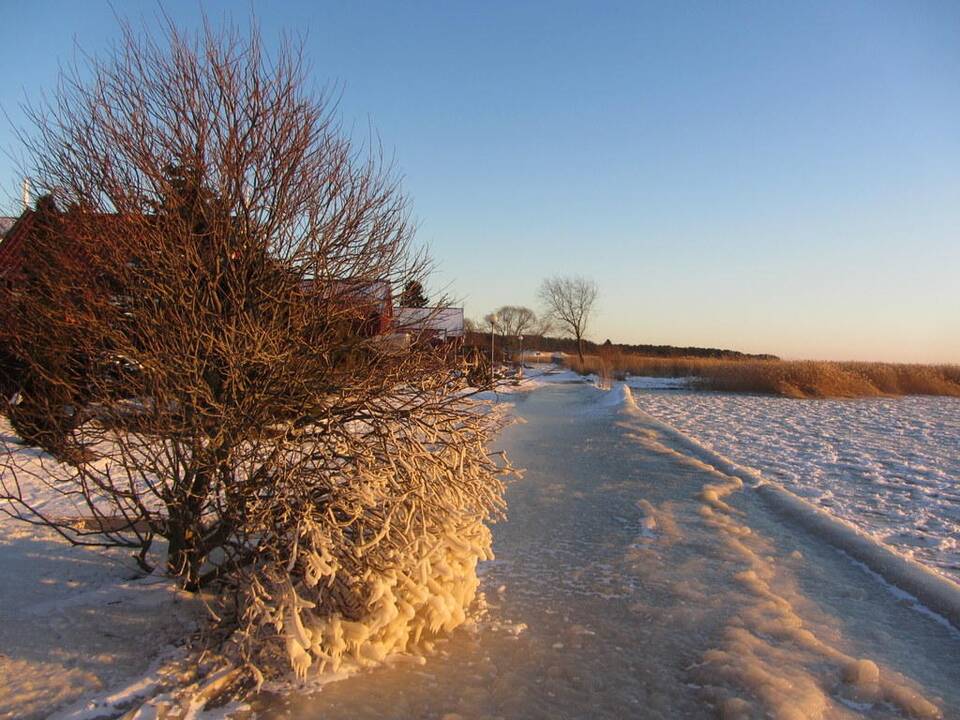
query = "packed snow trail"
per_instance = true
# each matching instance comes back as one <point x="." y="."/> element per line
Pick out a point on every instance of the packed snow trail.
<point x="634" y="580"/>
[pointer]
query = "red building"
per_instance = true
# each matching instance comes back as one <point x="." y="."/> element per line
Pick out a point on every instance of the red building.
<point x="369" y="302"/>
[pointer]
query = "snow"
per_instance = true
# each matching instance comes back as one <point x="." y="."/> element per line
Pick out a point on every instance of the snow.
<point x="535" y="376"/>
<point x="889" y="466"/>
<point x="640" y="573"/>
<point x="75" y="622"/>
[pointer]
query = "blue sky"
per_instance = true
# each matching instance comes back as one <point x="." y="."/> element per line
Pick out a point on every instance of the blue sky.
<point x="770" y="176"/>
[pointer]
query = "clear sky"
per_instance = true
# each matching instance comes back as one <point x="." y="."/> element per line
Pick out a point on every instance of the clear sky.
<point x="771" y="176"/>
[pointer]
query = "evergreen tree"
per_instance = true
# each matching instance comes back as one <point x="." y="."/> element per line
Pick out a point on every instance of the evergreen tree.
<point x="413" y="296"/>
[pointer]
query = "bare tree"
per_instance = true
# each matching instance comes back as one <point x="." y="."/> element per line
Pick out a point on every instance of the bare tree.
<point x="570" y="302"/>
<point x="543" y="326"/>
<point x="514" y="321"/>
<point x="201" y="324"/>
<point x="517" y="320"/>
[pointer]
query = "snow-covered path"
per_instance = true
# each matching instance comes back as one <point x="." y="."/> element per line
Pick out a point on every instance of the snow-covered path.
<point x="633" y="580"/>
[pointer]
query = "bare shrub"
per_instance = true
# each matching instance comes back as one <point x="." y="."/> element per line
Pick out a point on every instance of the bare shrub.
<point x="212" y="332"/>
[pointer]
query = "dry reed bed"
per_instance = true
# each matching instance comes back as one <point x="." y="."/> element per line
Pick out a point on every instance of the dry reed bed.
<point x="788" y="378"/>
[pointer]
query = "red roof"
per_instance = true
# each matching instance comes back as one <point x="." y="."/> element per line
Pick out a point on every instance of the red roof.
<point x="373" y="299"/>
<point x="11" y="248"/>
<point x="74" y="246"/>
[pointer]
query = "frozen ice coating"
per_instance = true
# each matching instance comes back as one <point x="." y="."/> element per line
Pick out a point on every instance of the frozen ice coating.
<point x="636" y="579"/>
<point x="403" y="609"/>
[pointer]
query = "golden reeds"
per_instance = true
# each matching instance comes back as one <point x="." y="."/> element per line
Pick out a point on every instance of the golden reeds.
<point x="788" y="378"/>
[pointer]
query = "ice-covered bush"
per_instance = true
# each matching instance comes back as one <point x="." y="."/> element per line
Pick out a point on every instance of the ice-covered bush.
<point x="230" y="257"/>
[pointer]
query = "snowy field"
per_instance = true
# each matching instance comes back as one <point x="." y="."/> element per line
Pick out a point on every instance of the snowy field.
<point x="890" y="466"/>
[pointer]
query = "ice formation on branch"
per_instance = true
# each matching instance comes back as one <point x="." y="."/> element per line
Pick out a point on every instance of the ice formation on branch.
<point x="427" y="593"/>
<point x="379" y="562"/>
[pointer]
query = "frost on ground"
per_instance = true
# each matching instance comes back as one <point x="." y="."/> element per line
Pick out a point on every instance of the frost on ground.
<point x="75" y="621"/>
<point x="890" y="465"/>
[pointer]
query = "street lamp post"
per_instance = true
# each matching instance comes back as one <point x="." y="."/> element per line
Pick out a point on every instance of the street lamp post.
<point x="521" y="356"/>
<point x="493" y="326"/>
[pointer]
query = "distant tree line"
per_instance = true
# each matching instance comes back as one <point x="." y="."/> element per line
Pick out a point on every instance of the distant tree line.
<point x="674" y="351"/>
<point x="543" y="343"/>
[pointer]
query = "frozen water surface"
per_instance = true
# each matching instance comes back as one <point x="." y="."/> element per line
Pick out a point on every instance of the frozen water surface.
<point x="633" y="580"/>
<point x="891" y="466"/>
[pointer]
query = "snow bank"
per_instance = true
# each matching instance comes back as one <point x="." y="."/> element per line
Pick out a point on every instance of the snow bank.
<point x="75" y="621"/>
<point x="936" y="592"/>
<point x="939" y="594"/>
<point x="768" y="650"/>
<point x="887" y="465"/>
<point x="615" y="398"/>
<point x="618" y="397"/>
